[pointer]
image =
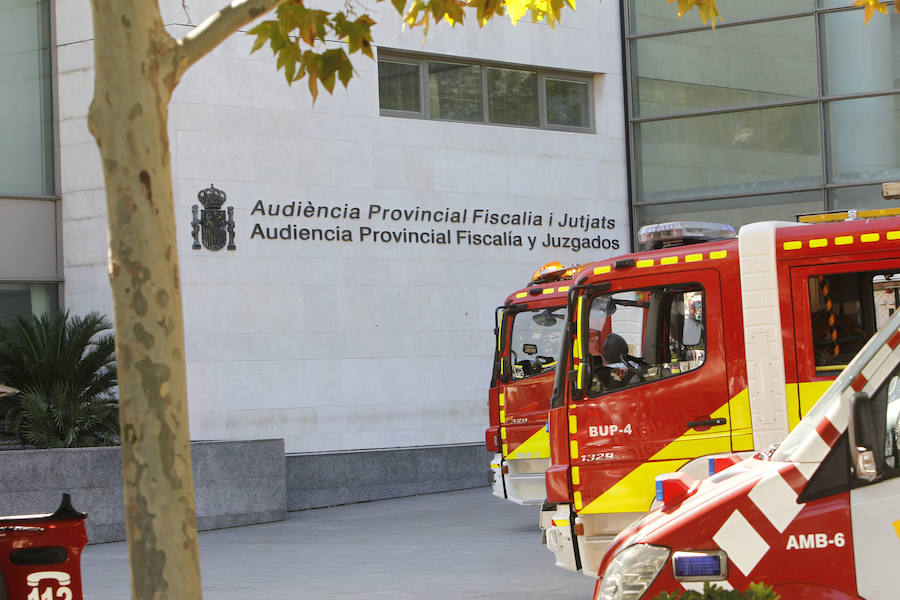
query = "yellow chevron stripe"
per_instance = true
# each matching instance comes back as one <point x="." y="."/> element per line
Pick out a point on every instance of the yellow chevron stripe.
<point x="537" y="446"/>
<point x="634" y="492"/>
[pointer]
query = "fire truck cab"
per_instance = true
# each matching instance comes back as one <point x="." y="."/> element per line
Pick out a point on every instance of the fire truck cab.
<point x="528" y="328"/>
<point x="685" y="351"/>
<point x="818" y="516"/>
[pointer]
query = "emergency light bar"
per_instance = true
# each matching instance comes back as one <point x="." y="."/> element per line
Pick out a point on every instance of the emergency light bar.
<point x="847" y="215"/>
<point x="681" y="233"/>
<point x="704" y="565"/>
<point x="720" y="463"/>
<point x="553" y="271"/>
<point x="672" y="488"/>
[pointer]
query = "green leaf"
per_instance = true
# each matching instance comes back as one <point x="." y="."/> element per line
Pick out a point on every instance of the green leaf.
<point x="357" y="33"/>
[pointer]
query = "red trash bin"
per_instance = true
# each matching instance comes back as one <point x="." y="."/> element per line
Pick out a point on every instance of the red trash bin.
<point x="40" y="555"/>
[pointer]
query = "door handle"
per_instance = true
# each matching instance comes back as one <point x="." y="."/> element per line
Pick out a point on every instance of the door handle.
<point x="707" y="423"/>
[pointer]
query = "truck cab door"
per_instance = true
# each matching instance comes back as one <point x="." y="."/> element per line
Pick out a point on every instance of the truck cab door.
<point x="653" y="387"/>
<point x="836" y="308"/>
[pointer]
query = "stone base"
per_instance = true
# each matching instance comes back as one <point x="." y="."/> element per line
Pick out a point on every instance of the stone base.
<point x="235" y="483"/>
<point x="328" y="479"/>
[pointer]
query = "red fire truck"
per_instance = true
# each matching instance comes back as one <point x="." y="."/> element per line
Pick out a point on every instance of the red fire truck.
<point x="685" y="351"/>
<point x="529" y="328"/>
<point x="816" y="517"/>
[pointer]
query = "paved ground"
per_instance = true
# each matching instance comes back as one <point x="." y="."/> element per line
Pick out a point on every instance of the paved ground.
<point x="464" y="544"/>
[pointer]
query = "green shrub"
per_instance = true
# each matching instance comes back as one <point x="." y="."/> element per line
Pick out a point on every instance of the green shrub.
<point x="64" y="368"/>
<point x="756" y="591"/>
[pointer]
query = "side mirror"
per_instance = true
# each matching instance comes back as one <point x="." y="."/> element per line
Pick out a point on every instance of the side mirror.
<point x="864" y="447"/>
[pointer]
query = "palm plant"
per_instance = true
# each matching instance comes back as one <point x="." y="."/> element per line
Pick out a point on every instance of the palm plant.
<point x="65" y="370"/>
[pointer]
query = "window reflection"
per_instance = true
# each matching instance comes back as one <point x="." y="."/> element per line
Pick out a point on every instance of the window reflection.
<point x="761" y="63"/>
<point x="863" y="141"/>
<point x="454" y="91"/>
<point x="743" y="152"/>
<point x="513" y="97"/>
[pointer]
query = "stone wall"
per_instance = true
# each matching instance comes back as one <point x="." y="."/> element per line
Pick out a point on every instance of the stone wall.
<point x="235" y="482"/>
<point x="328" y="479"/>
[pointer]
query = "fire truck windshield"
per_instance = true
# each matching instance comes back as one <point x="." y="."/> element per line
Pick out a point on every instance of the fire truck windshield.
<point x="535" y="341"/>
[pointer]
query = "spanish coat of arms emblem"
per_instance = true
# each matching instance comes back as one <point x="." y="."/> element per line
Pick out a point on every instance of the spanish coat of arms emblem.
<point x="212" y="226"/>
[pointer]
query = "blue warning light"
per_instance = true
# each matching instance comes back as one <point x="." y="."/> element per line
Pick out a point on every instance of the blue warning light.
<point x="690" y="565"/>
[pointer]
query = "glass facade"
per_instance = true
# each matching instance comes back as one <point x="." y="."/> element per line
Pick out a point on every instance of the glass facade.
<point x="788" y="106"/>
<point x="27" y="159"/>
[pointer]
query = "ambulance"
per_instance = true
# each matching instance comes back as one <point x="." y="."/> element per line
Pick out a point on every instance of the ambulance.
<point x="708" y="343"/>
<point x="817" y="516"/>
<point x="529" y="331"/>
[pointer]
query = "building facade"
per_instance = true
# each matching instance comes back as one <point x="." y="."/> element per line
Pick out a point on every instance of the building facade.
<point x="341" y="260"/>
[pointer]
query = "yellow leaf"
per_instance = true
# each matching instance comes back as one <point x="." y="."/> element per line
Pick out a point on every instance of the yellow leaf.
<point x="871" y="7"/>
<point x="708" y="11"/>
<point x="517" y="9"/>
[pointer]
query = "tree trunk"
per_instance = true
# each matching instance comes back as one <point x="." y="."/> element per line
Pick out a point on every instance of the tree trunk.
<point x="136" y="72"/>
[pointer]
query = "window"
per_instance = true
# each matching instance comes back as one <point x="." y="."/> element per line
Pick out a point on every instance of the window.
<point x="644" y="335"/>
<point x="756" y="64"/>
<point x="885" y="410"/>
<point x="744" y="152"/>
<point x="452" y="90"/>
<point x="847" y="309"/>
<point x="536" y="340"/>
<point x="455" y="92"/>
<point x="863" y="142"/>
<point x="892" y="420"/>
<point x="24" y="299"/>
<point x="649" y="16"/>
<point x="26" y="121"/>
<point x="398" y="86"/>
<point x="513" y="97"/>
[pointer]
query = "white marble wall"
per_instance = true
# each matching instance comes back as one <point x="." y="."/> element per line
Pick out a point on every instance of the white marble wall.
<point x="337" y="346"/>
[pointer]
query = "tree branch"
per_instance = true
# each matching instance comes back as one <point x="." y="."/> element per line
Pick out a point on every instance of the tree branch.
<point x="216" y="28"/>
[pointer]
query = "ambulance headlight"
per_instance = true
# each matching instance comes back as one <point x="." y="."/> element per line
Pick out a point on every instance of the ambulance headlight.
<point x="632" y="571"/>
